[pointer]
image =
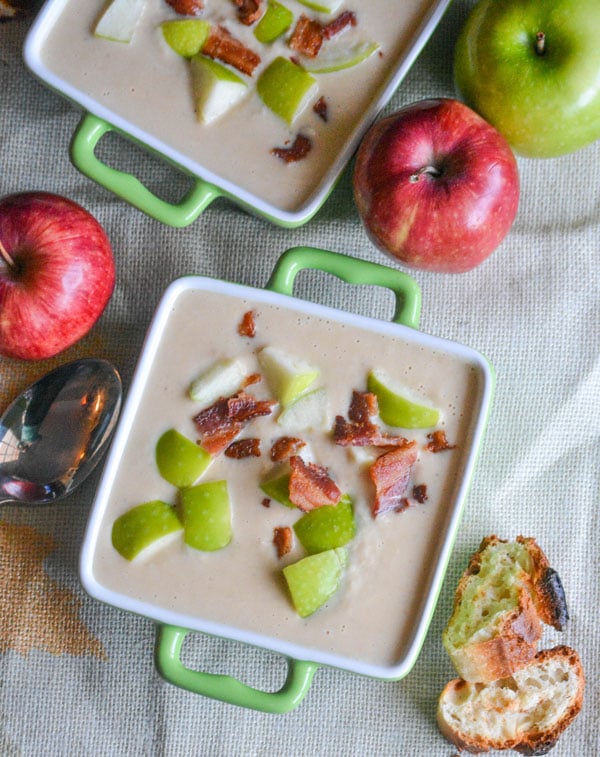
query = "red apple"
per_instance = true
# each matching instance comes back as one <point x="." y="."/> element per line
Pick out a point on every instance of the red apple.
<point x="57" y="274"/>
<point x="436" y="186"/>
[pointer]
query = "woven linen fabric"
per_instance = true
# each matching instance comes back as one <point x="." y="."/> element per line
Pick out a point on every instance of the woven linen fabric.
<point x="78" y="677"/>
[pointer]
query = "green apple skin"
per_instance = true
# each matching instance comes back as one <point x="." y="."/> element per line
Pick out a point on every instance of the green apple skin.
<point x="142" y="526"/>
<point x="206" y="516"/>
<point x="315" y="579"/>
<point x="545" y="104"/>
<point x="327" y="527"/>
<point x="179" y="460"/>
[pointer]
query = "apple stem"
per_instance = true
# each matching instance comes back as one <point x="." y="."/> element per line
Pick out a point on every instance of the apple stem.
<point x="425" y="170"/>
<point x="540" y="43"/>
<point x="7" y="258"/>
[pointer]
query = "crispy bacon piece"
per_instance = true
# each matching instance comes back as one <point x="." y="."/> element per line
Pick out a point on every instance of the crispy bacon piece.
<point x="298" y="150"/>
<point x="222" y="421"/>
<point x="265" y="502"/>
<point x="390" y="474"/>
<point x="225" y="47"/>
<point x="283" y="539"/>
<point x="359" y="430"/>
<point x="285" y="447"/>
<point x="187" y="7"/>
<point x="320" y="108"/>
<point x="333" y="28"/>
<point x="311" y="485"/>
<point x="242" y="448"/>
<point x="247" y="326"/>
<point x="249" y="11"/>
<point x="307" y="37"/>
<point x="252" y="378"/>
<point x="419" y="493"/>
<point x="438" y="442"/>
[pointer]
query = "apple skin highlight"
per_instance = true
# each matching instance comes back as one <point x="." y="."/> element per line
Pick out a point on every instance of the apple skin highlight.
<point x="436" y="187"/>
<point x="57" y="274"/>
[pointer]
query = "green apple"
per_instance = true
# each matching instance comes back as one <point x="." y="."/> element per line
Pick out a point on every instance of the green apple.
<point x="308" y="412"/>
<point x="119" y="20"/>
<point x="323" y="6"/>
<point x="532" y="69"/>
<point x="217" y="89"/>
<point x="278" y="488"/>
<point x="285" y="88"/>
<point x="315" y="579"/>
<point x="143" y="526"/>
<point x="185" y="36"/>
<point x="205" y="511"/>
<point x="276" y="20"/>
<point x="338" y="56"/>
<point x="180" y="460"/>
<point x="327" y="527"/>
<point x="288" y="376"/>
<point x="395" y="408"/>
<point x="219" y="380"/>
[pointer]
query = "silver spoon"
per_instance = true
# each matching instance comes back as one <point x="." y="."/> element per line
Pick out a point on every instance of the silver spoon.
<point x="53" y="435"/>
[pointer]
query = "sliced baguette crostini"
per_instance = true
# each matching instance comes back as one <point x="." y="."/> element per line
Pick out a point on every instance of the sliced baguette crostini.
<point x="526" y="712"/>
<point x="506" y="592"/>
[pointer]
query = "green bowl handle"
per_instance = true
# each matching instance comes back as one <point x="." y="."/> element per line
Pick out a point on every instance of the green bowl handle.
<point x="89" y="132"/>
<point x="353" y="271"/>
<point x="225" y="688"/>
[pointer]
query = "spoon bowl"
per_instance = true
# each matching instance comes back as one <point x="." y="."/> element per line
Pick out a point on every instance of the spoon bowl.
<point x="52" y="436"/>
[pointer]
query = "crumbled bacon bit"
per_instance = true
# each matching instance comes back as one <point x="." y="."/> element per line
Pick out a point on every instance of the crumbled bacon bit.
<point x="222" y="421"/>
<point x="298" y="150"/>
<point x="311" y="485"/>
<point x="283" y="539"/>
<point x="252" y="378"/>
<point x="320" y="108"/>
<point x="187" y="7"/>
<point x="265" y="502"/>
<point x="438" y="442"/>
<point x="359" y="430"/>
<point x="419" y="493"/>
<point x="247" y="326"/>
<point x="225" y="47"/>
<point x="285" y="447"/>
<point x="307" y="37"/>
<point x="242" y="448"/>
<point x="249" y="11"/>
<point x="333" y="28"/>
<point x="390" y="474"/>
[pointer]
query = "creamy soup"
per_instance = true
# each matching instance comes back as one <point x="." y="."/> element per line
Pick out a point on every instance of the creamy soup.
<point x="373" y="615"/>
<point x="148" y="85"/>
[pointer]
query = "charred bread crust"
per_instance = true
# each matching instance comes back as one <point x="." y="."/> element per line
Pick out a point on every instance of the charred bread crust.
<point x="528" y="712"/>
<point x="501" y="600"/>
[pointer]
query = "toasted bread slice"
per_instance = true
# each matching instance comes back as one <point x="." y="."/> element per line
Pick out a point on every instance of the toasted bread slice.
<point x="503" y="597"/>
<point x="526" y="712"/>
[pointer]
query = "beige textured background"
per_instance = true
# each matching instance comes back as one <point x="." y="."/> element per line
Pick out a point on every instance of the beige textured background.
<point x="533" y="309"/>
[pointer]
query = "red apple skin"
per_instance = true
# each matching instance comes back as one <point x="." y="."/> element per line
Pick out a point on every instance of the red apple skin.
<point x="436" y="186"/>
<point x="57" y="274"/>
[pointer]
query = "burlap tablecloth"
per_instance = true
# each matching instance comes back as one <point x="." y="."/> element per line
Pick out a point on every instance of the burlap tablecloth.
<point x="77" y="678"/>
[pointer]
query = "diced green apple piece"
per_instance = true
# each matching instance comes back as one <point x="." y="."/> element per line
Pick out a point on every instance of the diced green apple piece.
<point x="326" y="527"/>
<point x="216" y="88"/>
<point x="285" y="88"/>
<point x="309" y="411"/>
<point x="395" y="408"/>
<point x="276" y="20"/>
<point x="278" y="488"/>
<point x="143" y="526"/>
<point x="315" y="579"/>
<point x="119" y="20"/>
<point x="185" y="36"/>
<point x="180" y="460"/>
<point x="206" y="515"/>
<point x="220" y="380"/>
<point x="323" y="6"/>
<point x="287" y="375"/>
<point x="337" y="57"/>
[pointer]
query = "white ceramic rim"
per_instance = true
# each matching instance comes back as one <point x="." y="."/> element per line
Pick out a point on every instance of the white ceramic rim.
<point x="50" y="12"/>
<point x="294" y="651"/>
